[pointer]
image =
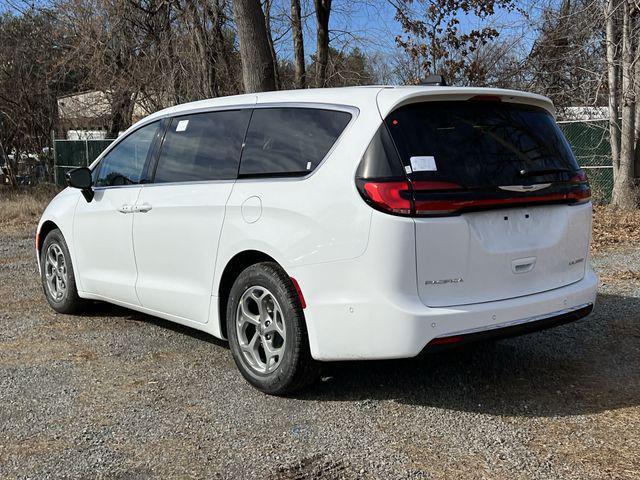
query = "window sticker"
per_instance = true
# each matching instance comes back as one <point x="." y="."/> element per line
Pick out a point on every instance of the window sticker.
<point x="423" y="164"/>
<point x="308" y="165"/>
<point x="182" y="125"/>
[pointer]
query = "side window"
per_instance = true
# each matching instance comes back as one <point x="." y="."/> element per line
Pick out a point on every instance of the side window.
<point x="290" y="141"/>
<point x="204" y="146"/>
<point x="124" y="164"/>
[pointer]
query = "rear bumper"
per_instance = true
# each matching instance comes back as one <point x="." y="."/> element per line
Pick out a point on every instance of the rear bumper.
<point x="389" y="326"/>
<point x="511" y="329"/>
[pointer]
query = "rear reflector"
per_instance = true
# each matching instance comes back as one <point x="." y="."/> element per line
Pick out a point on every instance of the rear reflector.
<point x="296" y="285"/>
<point x="445" y="340"/>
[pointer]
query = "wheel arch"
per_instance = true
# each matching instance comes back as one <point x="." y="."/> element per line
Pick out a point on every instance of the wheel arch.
<point x="232" y="269"/>
<point x="46" y="227"/>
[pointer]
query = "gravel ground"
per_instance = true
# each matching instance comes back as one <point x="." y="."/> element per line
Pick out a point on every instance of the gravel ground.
<point x="117" y="394"/>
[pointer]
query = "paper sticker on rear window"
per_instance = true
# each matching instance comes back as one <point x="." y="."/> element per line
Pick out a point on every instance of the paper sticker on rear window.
<point x="423" y="164"/>
<point x="182" y="125"/>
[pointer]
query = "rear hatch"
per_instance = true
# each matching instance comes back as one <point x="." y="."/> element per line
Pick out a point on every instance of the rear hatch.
<point x="495" y="193"/>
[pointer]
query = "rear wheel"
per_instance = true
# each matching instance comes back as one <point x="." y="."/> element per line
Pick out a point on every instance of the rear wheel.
<point x="58" y="278"/>
<point x="267" y="332"/>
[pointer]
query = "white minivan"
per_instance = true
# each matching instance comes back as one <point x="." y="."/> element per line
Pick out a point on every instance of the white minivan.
<point x="331" y="224"/>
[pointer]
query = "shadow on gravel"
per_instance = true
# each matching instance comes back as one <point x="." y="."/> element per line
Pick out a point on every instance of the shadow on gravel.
<point x="100" y="310"/>
<point x="584" y="367"/>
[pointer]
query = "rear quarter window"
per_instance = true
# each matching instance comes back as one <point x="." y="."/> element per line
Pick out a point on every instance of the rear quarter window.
<point x="290" y="141"/>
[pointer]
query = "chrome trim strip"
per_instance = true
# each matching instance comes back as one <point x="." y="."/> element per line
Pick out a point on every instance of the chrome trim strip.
<point x="515" y="322"/>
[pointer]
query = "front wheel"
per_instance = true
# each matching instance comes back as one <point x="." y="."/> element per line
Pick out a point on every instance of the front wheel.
<point x="58" y="277"/>
<point x="266" y="330"/>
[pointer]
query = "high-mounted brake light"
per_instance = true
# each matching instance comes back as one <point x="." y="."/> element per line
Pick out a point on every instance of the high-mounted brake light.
<point x="485" y="98"/>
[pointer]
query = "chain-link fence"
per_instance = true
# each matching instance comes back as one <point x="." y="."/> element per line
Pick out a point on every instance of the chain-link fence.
<point x="75" y="153"/>
<point x="589" y="140"/>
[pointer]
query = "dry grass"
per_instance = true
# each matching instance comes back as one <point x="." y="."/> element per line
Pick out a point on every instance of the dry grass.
<point x="23" y="206"/>
<point x="615" y="228"/>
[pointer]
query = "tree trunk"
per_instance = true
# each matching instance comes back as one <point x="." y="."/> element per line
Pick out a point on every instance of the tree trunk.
<point x="323" y="10"/>
<point x="267" y="26"/>
<point x="258" y="72"/>
<point x="223" y="63"/>
<point x="200" y="37"/>
<point x="612" y="71"/>
<point x="623" y="187"/>
<point x="636" y="167"/>
<point x="121" y="108"/>
<point x="298" y="44"/>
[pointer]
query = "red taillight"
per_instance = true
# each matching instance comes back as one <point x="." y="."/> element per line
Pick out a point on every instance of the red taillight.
<point x="579" y="177"/>
<point x="426" y="197"/>
<point x="392" y="197"/>
<point x="427" y="185"/>
<point x="436" y="207"/>
<point x="441" y="207"/>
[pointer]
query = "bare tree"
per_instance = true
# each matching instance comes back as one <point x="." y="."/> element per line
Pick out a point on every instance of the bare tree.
<point x="323" y="11"/>
<point x="298" y="45"/>
<point x="622" y="56"/>
<point x="434" y="40"/>
<point x="258" y="70"/>
<point x="567" y="59"/>
<point x="611" y="13"/>
<point x="267" y="25"/>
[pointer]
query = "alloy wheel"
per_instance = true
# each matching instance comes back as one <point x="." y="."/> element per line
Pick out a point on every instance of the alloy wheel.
<point x="260" y="329"/>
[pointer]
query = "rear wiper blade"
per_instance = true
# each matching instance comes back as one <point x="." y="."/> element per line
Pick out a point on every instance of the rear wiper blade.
<point x="537" y="173"/>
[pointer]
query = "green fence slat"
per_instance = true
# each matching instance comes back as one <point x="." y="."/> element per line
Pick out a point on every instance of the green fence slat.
<point x="95" y="148"/>
<point x="71" y="153"/>
<point x="76" y="153"/>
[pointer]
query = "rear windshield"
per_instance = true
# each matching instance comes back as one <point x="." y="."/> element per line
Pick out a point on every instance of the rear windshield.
<point x="479" y="144"/>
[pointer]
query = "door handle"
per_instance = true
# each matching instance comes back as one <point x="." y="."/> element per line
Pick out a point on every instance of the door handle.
<point x="125" y="208"/>
<point x="144" y="208"/>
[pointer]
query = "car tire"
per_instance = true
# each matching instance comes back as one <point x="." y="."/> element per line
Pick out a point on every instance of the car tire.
<point x="57" y="275"/>
<point x="267" y="331"/>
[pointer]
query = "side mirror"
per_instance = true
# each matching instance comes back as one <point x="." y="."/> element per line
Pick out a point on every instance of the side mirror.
<point x="81" y="178"/>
